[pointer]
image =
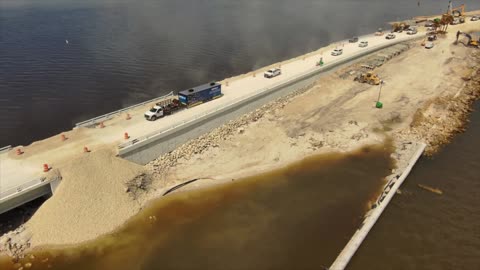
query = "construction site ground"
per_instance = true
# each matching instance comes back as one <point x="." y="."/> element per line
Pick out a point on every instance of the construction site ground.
<point x="336" y="114"/>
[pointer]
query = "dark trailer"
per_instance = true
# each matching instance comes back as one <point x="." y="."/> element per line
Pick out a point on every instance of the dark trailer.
<point x="200" y="94"/>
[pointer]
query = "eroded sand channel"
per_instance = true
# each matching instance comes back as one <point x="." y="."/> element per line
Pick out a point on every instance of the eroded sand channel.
<point x="300" y="216"/>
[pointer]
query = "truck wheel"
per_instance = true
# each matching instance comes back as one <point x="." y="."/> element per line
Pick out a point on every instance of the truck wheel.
<point x="154" y="118"/>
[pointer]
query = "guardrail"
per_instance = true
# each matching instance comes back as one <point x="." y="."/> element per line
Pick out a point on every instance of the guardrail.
<point x="307" y="73"/>
<point x="108" y="116"/>
<point x="5" y="148"/>
<point x="13" y="192"/>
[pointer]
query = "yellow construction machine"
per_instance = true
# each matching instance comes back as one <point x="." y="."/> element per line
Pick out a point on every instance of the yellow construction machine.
<point x="471" y="42"/>
<point x="369" y="78"/>
<point x="400" y="26"/>
<point x="458" y="13"/>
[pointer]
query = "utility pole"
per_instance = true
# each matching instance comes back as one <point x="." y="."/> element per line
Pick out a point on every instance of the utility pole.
<point x="379" y="104"/>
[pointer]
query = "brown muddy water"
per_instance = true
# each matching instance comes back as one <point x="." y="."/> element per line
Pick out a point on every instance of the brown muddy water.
<point x="423" y="230"/>
<point x="298" y="217"/>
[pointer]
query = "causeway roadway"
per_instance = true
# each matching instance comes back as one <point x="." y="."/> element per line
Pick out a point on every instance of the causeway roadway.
<point x="20" y="174"/>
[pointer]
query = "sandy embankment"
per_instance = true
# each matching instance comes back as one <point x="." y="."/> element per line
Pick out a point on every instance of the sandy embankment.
<point x="426" y="97"/>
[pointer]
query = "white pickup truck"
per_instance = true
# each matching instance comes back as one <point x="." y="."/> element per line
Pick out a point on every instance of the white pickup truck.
<point x="160" y="110"/>
<point x="274" y="72"/>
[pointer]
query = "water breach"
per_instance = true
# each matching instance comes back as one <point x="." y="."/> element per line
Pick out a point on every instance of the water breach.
<point x="298" y="217"/>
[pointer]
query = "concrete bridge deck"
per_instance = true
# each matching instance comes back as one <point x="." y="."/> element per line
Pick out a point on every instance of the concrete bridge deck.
<point x="21" y="173"/>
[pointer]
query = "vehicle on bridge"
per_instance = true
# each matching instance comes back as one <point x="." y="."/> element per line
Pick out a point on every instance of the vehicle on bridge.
<point x="390" y="36"/>
<point x="163" y="108"/>
<point x="337" y="52"/>
<point x="200" y="94"/>
<point x="363" y="44"/>
<point x="274" y="72"/>
<point x="186" y="99"/>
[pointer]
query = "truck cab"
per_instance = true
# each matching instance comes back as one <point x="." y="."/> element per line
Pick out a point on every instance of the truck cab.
<point x="154" y="113"/>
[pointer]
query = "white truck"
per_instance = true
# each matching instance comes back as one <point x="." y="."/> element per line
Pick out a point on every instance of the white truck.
<point x="337" y="52"/>
<point x="160" y="110"/>
<point x="274" y="72"/>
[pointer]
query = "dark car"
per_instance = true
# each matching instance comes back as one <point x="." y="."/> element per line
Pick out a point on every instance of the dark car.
<point x="432" y="38"/>
<point x="353" y="40"/>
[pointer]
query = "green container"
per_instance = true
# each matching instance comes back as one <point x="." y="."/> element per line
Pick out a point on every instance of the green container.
<point x="379" y="105"/>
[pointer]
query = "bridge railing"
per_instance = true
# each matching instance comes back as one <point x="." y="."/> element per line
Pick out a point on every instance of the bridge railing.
<point x="5" y="148"/>
<point x="101" y="118"/>
<point x="11" y="192"/>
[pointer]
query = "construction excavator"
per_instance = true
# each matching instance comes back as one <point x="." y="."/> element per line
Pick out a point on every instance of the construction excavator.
<point x="458" y="13"/>
<point x="471" y="41"/>
<point x="369" y="78"/>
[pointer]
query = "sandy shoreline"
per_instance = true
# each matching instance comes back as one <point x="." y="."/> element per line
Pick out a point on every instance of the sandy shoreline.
<point x="428" y="101"/>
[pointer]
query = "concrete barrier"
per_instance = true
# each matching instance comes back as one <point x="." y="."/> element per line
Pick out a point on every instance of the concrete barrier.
<point x="146" y="148"/>
<point x="5" y="148"/>
<point x="105" y="117"/>
<point x="27" y="192"/>
<point x="352" y="246"/>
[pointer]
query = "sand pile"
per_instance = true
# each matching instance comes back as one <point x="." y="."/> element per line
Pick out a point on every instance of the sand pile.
<point x="91" y="200"/>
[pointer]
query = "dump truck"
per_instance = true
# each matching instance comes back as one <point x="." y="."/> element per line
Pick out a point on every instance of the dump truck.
<point x="369" y="78"/>
<point x="163" y="108"/>
<point x="200" y="94"/>
<point x="186" y="99"/>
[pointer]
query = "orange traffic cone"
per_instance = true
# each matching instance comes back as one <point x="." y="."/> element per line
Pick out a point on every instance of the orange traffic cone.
<point x="63" y="137"/>
<point x="19" y="151"/>
<point x="102" y="125"/>
<point x="86" y="150"/>
<point x="126" y="136"/>
<point x="128" y="116"/>
<point x="46" y="168"/>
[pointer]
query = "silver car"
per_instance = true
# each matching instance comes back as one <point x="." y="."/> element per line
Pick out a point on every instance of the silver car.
<point x="429" y="45"/>
<point x="337" y="52"/>
<point x="412" y="32"/>
<point x="390" y="36"/>
<point x="363" y="44"/>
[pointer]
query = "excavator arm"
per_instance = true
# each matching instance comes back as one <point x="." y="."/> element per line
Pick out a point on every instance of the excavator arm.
<point x="470" y="41"/>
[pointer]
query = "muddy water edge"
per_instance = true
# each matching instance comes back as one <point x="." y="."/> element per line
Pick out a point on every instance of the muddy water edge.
<point x="424" y="230"/>
<point x="298" y="217"/>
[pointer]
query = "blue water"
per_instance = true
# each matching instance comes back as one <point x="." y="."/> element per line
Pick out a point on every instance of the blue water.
<point x="125" y="51"/>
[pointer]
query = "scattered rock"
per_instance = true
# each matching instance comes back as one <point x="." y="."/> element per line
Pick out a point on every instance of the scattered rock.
<point x="161" y="165"/>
